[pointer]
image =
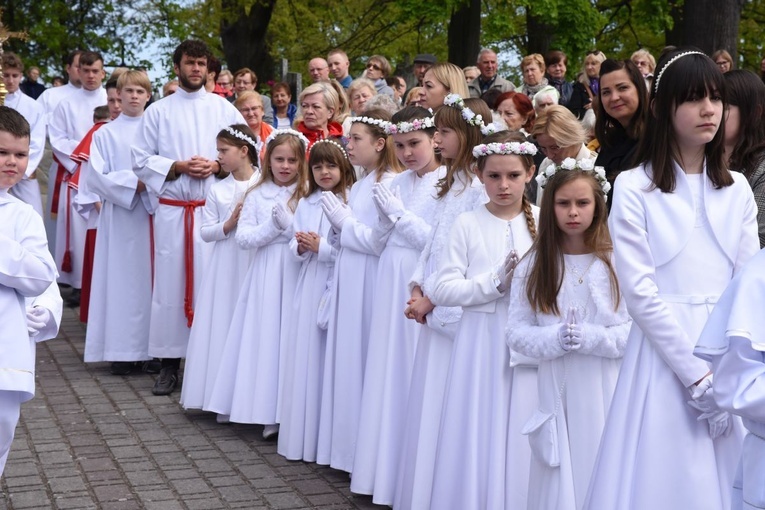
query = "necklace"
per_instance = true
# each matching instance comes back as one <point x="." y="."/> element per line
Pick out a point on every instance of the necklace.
<point x="579" y="276"/>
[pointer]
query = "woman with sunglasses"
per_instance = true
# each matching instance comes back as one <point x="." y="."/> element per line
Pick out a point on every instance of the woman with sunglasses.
<point x="378" y="68"/>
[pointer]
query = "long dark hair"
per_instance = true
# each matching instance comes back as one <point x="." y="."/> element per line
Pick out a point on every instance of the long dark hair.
<point x="747" y="92"/>
<point x="689" y="77"/>
<point x="608" y="130"/>
<point x="324" y="151"/>
<point x="545" y="276"/>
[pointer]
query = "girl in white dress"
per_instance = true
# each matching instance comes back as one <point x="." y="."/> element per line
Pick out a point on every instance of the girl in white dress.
<point x="475" y="271"/>
<point x="682" y="226"/>
<point x="407" y="210"/>
<point x="237" y="154"/>
<point x="301" y="396"/>
<point x="734" y="341"/>
<point x="353" y="296"/>
<point x="248" y="383"/>
<point x="457" y="192"/>
<point x="566" y="311"/>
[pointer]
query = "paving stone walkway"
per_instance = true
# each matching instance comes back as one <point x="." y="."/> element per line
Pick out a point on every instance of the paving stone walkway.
<point x="91" y="440"/>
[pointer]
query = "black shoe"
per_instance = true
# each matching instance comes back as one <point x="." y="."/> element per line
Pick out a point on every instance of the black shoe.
<point x="166" y="382"/>
<point x="123" y="367"/>
<point x="73" y="301"/>
<point x="153" y="366"/>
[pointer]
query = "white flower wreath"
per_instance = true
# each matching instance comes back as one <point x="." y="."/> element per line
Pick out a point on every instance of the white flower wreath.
<point x="584" y="165"/>
<point x="408" y="127"/>
<point x="383" y="124"/>
<point x="277" y="132"/>
<point x="505" y="148"/>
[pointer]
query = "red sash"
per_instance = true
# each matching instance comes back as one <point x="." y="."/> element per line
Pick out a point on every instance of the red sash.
<point x="188" y="249"/>
<point x="60" y="173"/>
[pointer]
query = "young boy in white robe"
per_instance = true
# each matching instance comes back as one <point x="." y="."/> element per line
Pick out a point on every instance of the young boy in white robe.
<point x="26" y="270"/>
<point x="120" y="303"/>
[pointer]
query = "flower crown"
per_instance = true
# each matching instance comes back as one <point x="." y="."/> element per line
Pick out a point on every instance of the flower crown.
<point x="238" y="134"/>
<point x="455" y="101"/>
<point x="328" y="140"/>
<point x="382" y="124"/>
<point x="669" y="62"/>
<point x="297" y="134"/>
<point x="506" y="148"/>
<point x="408" y="127"/>
<point x="584" y="165"/>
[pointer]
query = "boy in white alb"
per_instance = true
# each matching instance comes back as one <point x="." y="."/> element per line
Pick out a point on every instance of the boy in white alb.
<point x="26" y="271"/>
<point x="27" y="189"/>
<point x="70" y="123"/>
<point x="175" y="154"/>
<point x="120" y="302"/>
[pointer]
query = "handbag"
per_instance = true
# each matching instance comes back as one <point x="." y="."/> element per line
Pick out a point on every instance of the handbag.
<point x="542" y="430"/>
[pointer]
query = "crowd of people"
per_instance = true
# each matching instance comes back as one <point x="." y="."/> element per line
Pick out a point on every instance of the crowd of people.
<point x="467" y="295"/>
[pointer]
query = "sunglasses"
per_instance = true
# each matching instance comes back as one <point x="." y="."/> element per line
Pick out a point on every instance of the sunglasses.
<point x="374" y="66"/>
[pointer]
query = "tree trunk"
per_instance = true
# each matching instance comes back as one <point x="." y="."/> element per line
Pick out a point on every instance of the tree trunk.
<point x="464" y="36"/>
<point x="540" y="34"/>
<point x="243" y="35"/>
<point x="710" y="25"/>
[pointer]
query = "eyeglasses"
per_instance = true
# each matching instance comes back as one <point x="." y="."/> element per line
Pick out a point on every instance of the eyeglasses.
<point x="252" y="109"/>
<point x="374" y="66"/>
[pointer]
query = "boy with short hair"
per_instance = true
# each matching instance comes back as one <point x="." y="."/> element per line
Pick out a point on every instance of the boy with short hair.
<point x="27" y="190"/>
<point x="120" y="298"/>
<point x="26" y="270"/>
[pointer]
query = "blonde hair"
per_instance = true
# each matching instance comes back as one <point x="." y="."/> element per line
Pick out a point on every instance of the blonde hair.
<point x="246" y="96"/>
<point x="328" y="94"/>
<point x="534" y="58"/>
<point x="647" y="56"/>
<point x="561" y="125"/>
<point x="360" y="83"/>
<point x="387" y="159"/>
<point x="301" y="179"/>
<point x="451" y="77"/>
<point x="134" y="77"/>
<point x="344" y="105"/>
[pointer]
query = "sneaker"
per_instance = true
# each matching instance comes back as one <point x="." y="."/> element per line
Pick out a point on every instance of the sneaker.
<point x="166" y="382"/>
<point x="270" y="431"/>
<point x="152" y="366"/>
<point x="123" y="367"/>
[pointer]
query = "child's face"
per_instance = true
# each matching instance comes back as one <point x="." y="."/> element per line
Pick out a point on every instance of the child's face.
<point x="505" y="178"/>
<point x="447" y="142"/>
<point x="114" y="102"/>
<point x="12" y="79"/>
<point x="327" y="175"/>
<point x="414" y="150"/>
<point x="284" y="165"/>
<point x="696" y="121"/>
<point x="231" y="157"/>
<point x="575" y="207"/>
<point x="14" y="156"/>
<point x="363" y="148"/>
<point x="134" y="99"/>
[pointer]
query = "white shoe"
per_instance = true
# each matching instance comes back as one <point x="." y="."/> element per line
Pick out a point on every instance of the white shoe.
<point x="223" y="418"/>
<point x="270" y="431"/>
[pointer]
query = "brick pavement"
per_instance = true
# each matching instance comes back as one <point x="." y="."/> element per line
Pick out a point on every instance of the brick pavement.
<point x="91" y="440"/>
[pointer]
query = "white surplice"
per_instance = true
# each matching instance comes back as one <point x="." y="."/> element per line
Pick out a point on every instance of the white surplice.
<point x="120" y="299"/>
<point x="218" y="293"/>
<point x="27" y="189"/>
<point x="733" y="340"/>
<point x="177" y="128"/>
<point x="671" y="273"/>
<point x="69" y="123"/>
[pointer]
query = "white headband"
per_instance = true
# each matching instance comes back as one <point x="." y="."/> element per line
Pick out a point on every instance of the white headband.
<point x="327" y="140"/>
<point x="671" y="61"/>
<point x="238" y="134"/>
<point x="297" y="134"/>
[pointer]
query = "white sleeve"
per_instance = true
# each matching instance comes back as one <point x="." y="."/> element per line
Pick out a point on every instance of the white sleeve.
<point x="214" y="215"/>
<point x="115" y="185"/>
<point x="36" y="139"/>
<point x="62" y="145"/>
<point x="739" y="384"/>
<point x="150" y="168"/>
<point x="636" y="270"/>
<point x="25" y="263"/>
<point x="51" y="300"/>
<point x="251" y="234"/>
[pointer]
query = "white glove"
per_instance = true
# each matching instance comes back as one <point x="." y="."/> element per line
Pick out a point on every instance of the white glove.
<point x="37" y="318"/>
<point x="335" y="210"/>
<point x="388" y="202"/>
<point x="720" y="423"/>
<point x="570" y="334"/>
<point x="385" y="220"/>
<point x="506" y="270"/>
<point x="703" y="397"/>
<point x="282" y="218"/>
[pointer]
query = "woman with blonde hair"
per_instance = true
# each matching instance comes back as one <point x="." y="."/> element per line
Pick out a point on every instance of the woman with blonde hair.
<point x="316" y="119"/>
<point x="250" y="105"/>
<point x="533" y="71"/>
<point x="587" y="84"/>
<point x="559" y="136"/>
<point x="359" y="92"/>
<point x="646" y="64"/>
<point x="723" y="60"/>
<point x="440" y="80"/>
